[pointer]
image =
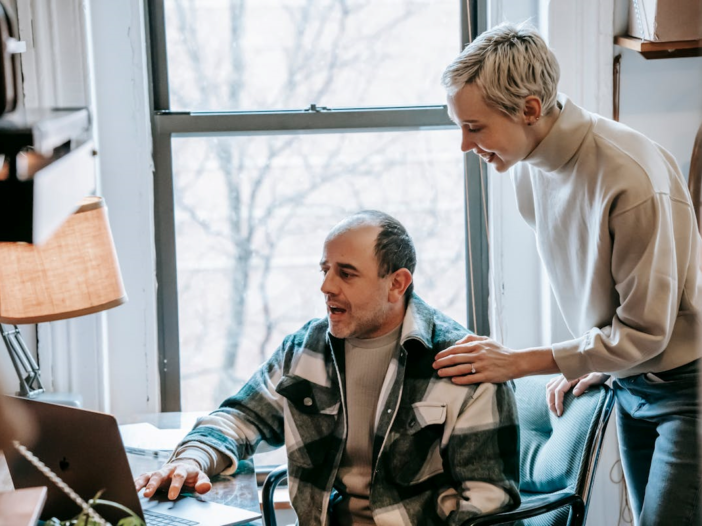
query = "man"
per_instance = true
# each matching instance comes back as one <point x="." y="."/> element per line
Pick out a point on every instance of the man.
<point x="358" y="406"/>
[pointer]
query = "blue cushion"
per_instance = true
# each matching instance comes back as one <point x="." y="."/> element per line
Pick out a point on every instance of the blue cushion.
<point x="553" y="449"/>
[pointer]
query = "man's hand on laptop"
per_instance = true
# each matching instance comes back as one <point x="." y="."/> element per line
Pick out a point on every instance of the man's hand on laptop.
<point x="175" y="474"/>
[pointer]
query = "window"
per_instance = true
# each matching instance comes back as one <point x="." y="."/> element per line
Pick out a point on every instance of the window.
<point x="286" y="54"/>
<point x="273" y="120"/>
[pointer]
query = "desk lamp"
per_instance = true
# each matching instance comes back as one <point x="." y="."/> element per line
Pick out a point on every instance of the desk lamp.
<point x="74" y="273"/>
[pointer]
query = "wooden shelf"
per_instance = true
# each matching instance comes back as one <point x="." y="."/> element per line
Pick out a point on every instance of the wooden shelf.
<point x="651" y="50"/>
<point x="22" y="507"/>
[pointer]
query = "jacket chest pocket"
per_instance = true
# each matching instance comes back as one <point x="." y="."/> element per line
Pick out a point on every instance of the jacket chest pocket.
<point x="415" y="453"/>
<point x="311" y="413"/>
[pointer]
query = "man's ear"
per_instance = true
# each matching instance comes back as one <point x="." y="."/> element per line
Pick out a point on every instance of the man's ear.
<point x="532" y="110"/>
<point x="401" y="279"/>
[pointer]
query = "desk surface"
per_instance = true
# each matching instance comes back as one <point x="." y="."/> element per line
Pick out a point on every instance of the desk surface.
<point x="239" y="490"/>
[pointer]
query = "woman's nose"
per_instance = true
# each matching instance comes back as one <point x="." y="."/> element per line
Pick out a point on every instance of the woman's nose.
<point x="467" y="143"/>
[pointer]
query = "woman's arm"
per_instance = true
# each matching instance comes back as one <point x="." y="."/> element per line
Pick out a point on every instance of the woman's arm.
<point x="492" y="361"/>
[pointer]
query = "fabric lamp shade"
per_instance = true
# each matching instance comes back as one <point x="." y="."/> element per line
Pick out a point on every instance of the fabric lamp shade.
<point x="74" y="273"/>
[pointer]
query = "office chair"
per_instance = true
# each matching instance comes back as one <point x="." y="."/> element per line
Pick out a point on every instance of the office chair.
<point x="558" y="457"/>
<point x="272" y="481"/>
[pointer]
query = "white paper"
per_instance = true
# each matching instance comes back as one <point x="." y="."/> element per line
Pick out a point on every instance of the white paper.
<point x="146" y="438"/>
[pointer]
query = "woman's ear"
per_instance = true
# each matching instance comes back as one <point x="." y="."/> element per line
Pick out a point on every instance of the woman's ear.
<point x="401" y="279"/>
<point x="532" y="110"/>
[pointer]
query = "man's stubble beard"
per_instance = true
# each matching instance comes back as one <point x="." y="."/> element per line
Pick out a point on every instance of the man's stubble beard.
<point x="369" y="323"/>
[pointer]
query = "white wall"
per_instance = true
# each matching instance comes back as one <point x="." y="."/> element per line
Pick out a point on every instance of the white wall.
<point x="663" y="100"/>
<point x="124" y="135"/>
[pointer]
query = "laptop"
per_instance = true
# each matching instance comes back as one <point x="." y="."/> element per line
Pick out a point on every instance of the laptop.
<point x="85" y="449"/>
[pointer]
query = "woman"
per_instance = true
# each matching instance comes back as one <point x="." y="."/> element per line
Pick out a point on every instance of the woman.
<point x="617" y="233"/>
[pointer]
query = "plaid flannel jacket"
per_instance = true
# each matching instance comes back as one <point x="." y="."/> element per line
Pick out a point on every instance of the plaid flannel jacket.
<point x="442" y="452"/>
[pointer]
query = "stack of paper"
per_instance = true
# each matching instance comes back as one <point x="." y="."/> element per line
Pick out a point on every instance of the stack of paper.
<point x="147" y="439"/>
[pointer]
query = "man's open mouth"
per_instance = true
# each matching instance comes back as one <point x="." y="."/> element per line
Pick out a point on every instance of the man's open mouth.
<point x="336" y="310"/>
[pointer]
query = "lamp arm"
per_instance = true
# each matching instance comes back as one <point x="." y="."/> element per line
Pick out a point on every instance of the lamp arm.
<point x="26" y="367"/>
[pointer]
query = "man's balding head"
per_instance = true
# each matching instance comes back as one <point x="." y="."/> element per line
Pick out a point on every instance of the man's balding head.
<point x="394" y="248"/>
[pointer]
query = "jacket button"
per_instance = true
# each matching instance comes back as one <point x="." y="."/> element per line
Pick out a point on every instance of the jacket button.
<point x="307" y="401"/>
<point x="412" y="422"/>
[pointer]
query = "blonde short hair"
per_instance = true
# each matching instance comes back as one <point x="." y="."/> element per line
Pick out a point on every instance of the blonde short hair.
<point x="508" y="63"/>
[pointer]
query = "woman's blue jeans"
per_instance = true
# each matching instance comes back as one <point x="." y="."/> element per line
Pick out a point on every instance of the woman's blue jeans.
<point x="658" y="425"/>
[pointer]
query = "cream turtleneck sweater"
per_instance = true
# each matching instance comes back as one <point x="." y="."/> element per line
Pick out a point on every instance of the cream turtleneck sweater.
<point x="367" y="363"/>
<point x="617" y="234"/>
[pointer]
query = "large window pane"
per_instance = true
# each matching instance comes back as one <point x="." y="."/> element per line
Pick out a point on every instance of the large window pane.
<point x="288" y="54"/>
<point x="251" y="217"/>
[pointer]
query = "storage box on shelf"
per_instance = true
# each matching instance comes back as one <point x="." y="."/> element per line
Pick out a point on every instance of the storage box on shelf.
<point x="47" y="169"/>
<point x="665" y="20"/>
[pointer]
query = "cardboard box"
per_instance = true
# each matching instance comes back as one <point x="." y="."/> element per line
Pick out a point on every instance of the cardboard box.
<point x="665" y="20"/>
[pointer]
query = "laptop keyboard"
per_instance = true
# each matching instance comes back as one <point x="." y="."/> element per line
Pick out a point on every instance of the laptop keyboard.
<point x="159" y="519"/>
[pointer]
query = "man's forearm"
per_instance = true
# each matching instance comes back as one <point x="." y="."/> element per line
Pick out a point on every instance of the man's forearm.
<point x="208" y="459"/>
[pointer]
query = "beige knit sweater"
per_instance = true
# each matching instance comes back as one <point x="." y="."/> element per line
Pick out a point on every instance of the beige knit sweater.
<point x="617" y="234"/>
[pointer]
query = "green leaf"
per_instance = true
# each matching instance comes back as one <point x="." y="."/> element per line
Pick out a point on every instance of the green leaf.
<point x="83" y="519"/>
